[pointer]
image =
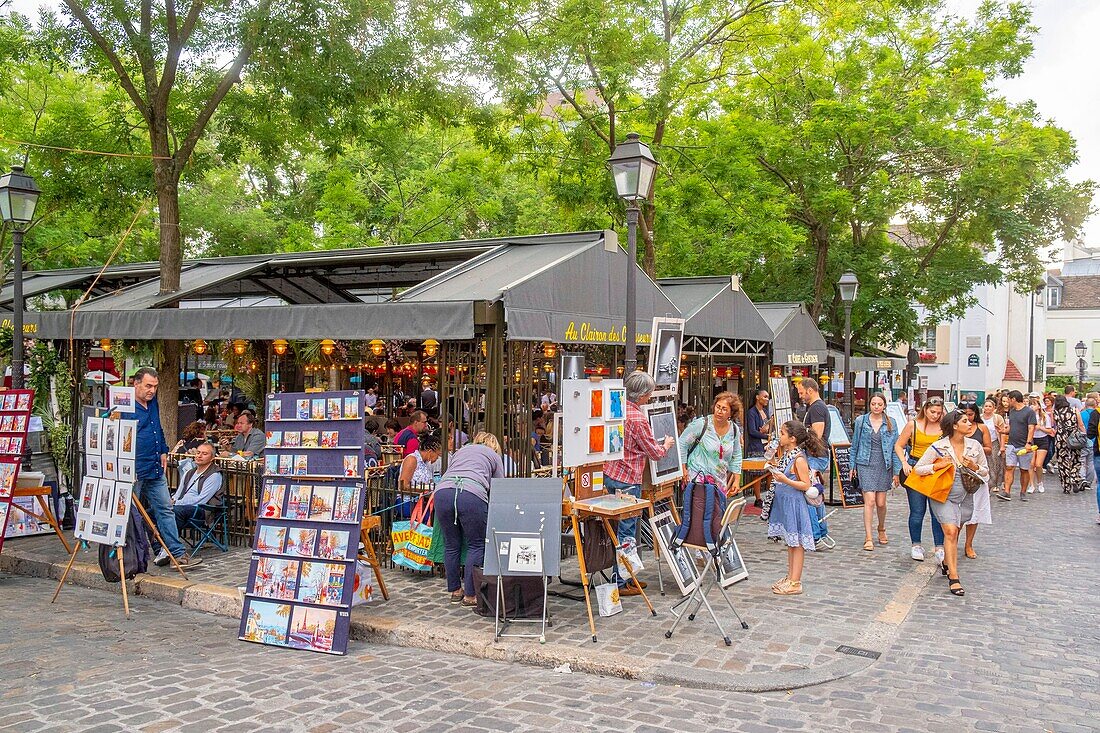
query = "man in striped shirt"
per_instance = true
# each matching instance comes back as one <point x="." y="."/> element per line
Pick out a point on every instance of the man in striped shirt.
<point x="625" y="474"/>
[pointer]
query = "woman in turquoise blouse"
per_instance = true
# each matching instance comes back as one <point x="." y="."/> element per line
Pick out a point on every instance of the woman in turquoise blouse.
<point x="710" y="446"/>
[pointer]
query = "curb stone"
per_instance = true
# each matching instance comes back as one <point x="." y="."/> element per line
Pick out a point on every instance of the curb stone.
<point x="380" y="629"/>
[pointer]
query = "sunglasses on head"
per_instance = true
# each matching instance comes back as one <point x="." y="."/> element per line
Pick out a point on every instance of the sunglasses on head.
<point x="934" y="401"/>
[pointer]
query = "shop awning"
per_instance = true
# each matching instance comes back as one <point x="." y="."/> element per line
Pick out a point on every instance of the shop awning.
<point x="797" y="341"/>
<point x="442" y="321"/>
<point x="564" y="288"/>
<point x="720" y="318"/>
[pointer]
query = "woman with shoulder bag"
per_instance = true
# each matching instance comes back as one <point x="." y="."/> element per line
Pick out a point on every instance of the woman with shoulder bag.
<point x="711" y="446"/>
<point x="1069" y="441"/>
<point x="983" y="513"/>
<point x="914" y="439"/>
<point x="971" y="473"/>
<point x="875" y="464"/>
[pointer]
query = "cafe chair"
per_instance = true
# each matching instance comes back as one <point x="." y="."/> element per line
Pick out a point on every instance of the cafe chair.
<point x="707" y="576"/>
<point x="212" y="526"/>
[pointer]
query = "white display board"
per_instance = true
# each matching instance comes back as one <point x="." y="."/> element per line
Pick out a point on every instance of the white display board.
<point x="838" y="434"/>
<point x="593" y="421"/>
<point x="897" y="411"/>
<point x="781" y="401"/>
<point x="106" y="490"/>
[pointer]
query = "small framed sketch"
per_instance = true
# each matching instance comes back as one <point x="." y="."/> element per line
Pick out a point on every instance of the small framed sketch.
<point x="127" y="439"/>
<point x="666" y="343"/>
<point x="679" y="560"/>
<point x="662" y="419"/>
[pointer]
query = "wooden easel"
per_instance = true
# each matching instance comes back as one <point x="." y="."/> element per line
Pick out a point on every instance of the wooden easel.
<point x="121" y="567"/>
<point x="369" y="556"/>
<point x="579" y="510"/>
<point x="40" y="493"/>
<point x="654" y="494"/>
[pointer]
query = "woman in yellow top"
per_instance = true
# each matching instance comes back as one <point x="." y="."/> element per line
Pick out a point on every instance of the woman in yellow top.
<point x="915" y="438"/>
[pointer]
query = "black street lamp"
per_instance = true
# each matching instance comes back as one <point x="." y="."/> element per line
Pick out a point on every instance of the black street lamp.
<point x="848" y="285"/>
<point x="18" y="198"/>
<point x="1082" y="365"/>
<point x="633" y="167"/>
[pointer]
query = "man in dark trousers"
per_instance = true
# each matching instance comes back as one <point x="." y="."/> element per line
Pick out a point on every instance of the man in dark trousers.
<point x="151" y="458"/>
<point x="429" y="400"/>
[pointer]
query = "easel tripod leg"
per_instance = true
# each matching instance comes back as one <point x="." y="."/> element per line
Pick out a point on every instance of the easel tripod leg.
<point x="626" y="563"/>
<point x="152" y="525"/>
<point x="122" y="582"/>
<point x="584" y="573"/>
<point x="68" y="567"/>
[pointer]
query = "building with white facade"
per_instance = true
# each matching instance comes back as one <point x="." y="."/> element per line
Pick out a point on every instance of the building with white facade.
<point x="987" y="348"/>
<point x="1073" y="314"/>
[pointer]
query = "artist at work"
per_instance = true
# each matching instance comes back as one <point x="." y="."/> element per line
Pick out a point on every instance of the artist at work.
<point x="625" y="474"/>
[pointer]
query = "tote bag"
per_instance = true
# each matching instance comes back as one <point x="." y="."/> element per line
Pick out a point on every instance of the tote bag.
<point x="412" y="538"/>
<point x="936" y="485"/>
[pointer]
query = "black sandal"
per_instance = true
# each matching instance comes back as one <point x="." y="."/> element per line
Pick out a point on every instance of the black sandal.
<point x="943" y="568"/>
<point x="955" y="587"/>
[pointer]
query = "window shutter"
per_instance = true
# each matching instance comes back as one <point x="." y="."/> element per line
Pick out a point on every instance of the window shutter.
<point x="1095" y="352"/>
<point x="1059" y="352"/>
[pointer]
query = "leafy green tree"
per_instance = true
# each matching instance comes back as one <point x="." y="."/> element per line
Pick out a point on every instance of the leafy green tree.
<point x="867" y="113"/>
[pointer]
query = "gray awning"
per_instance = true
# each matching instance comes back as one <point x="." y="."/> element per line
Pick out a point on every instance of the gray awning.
<point x="441" y="321"/>
<point x="35" y="284"/>
<point x="716" y="307"/>
<point x="797" y="340"/>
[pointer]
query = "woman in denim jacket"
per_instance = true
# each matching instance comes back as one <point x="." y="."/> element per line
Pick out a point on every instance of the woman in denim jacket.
<point x="876" y="464"/>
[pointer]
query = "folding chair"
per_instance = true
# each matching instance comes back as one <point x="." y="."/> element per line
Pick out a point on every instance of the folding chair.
<point x="207" y="525"/>
<point x="709" y="575"/>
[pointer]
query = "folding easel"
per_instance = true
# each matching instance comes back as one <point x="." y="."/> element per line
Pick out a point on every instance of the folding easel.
<point x="708" y="579"/>
<point x="121" y="567"/>
<point x="42" y="494"/>
<point x="501" y="621"/>
<point x="368" y="555"/>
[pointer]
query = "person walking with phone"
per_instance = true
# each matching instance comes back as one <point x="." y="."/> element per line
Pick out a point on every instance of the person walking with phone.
<point x="875" y="464"/>
<point x="1020" y="449"/>
<point x="914" y="439"/>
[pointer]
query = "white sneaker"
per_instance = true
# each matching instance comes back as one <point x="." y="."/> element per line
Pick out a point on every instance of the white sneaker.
<point x="161" y="559"/>
<point x="1042" y="488"/>
<point x="939" y="554"/>
<point x="1031" y="489"/>
<point x="918" y="553"/>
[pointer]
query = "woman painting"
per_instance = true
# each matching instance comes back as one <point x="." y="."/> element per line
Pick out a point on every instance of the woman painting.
<point x="1067" y="421"/>
<point x="462" y="508"/>
<point x="982" y="511"/>
<point x="875" y="464"/>
<point x="790" y="515"/>
<point x="954" y="448"/>
<point x="914" y="439"/>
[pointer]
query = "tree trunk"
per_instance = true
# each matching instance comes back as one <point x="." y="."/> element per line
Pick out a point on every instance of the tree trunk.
<point x="166" y="175"/>
<point x="819" y="238"/>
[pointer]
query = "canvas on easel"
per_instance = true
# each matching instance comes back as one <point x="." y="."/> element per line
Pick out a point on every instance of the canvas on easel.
<point x="665" y="346"/>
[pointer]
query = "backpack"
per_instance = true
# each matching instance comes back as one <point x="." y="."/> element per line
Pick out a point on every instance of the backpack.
<point x="136" y="554"/>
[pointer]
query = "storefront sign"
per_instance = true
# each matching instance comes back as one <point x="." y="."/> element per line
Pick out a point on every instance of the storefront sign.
<point x="808" y="358"/>
<point x="27" y="327"/>
<point x="588" y="334"/>
<point x="973" y="360"/>
<point x="884" y="364"/>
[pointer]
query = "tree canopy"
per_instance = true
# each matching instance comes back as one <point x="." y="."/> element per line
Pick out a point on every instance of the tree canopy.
<point x="796" y="139"/>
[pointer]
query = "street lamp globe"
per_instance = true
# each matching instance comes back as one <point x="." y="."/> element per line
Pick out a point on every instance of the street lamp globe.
<point x="848" y="284"/>
<point x="633" y="167"/>
<point x="18" y="197"/>
<point x="1080" y="348"/>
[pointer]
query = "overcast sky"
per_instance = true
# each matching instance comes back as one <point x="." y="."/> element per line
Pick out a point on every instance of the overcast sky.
<point x="1061" y="76"/>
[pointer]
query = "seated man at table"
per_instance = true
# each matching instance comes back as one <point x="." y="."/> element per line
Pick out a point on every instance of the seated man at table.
<point x="250" y="441"/>
<point x="201" y="484"/>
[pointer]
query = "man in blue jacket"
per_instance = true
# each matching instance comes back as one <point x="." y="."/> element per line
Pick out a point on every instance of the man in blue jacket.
<point x="150" y="460"/>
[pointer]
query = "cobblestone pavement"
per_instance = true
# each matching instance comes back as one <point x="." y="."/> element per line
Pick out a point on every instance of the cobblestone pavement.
<point x="1018" y="653"/>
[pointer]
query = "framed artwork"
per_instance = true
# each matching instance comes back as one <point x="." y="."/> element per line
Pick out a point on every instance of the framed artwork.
<point x="616" y="404"/>
<point x="127" y="439"/>
<point x="666" y="343"/>
<point x="110" y="438"/>
<point x="615" y="440"/>
<point x="572" y="366"/>
<point x="595" y="438"/>
<point x="662" y="420"/>
<point x="596" y="404"/>
<point x="121" y="399"/>
<point x="93" y="435"/>
<point x="679" y="560"/>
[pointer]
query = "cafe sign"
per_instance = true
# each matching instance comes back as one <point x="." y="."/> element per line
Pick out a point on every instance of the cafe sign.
<point x="586" y="333"/>
<point x="27" y="327"/>
<point x="806" y="358"/>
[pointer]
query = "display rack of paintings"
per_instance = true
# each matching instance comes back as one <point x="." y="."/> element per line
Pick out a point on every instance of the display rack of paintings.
<point x="301" y="579"/>
<point x="594" y="414"/>
<point x="15" y="416"/>
<point x="103" y="508"/>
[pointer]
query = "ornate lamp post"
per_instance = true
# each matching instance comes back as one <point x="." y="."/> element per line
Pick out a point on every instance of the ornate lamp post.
<point x="848" y="285"/>
<point x="18" y="198"/>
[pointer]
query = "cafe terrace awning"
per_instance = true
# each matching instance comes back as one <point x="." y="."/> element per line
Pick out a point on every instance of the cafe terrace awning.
<point x="554" y="287"/>
<point x="566" y="288"/>
<point x="720" y="318"/>
<point x="797" y="341"/>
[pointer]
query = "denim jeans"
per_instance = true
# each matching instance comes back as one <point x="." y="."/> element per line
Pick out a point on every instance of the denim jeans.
<point x="185" y="513"/>
<point x="627" y="527"/>
<point x="153" y="493"/>
<point x="918" y="507"/>
<point x="461" y="515"/>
